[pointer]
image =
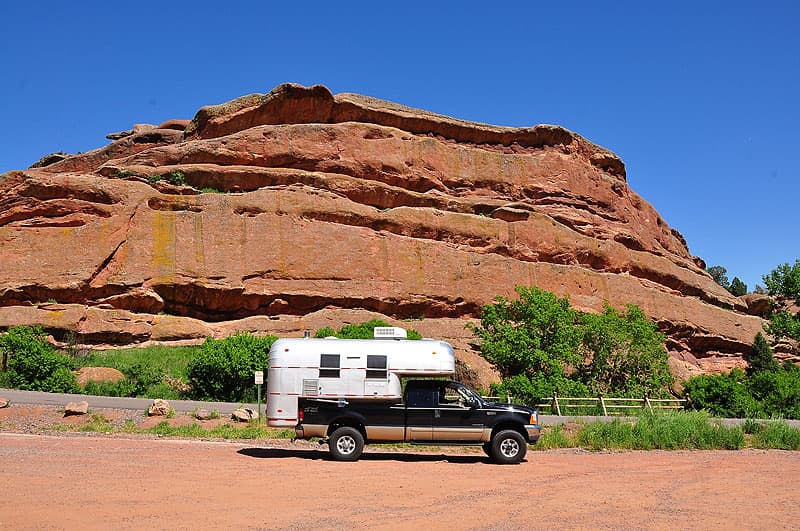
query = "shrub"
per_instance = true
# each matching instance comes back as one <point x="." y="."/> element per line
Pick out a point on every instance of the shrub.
<point x="361" y="331"/>
<point x="722" y="395"/>
<point x="531" y="390"/>
<point x="760" y="359"/>
<point x="223" y="369"/>
<point x="33" y="363"/>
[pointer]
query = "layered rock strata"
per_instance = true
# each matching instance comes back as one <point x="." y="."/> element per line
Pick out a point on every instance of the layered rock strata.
<point x="297" y="208"/>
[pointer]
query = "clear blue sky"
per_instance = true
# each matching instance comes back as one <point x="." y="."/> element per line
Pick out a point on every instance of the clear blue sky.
<point x="700" y="99"/>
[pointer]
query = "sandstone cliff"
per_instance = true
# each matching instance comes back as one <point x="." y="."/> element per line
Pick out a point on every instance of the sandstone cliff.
<point x="302" y="209"/>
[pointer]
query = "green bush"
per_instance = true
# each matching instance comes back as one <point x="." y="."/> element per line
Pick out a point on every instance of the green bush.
<point x="722" y="395"/>
<point x="360" y="331"/>
<point x="34" y="364"/>
<point x="223" y="369"/>
<point x="531" y="390"/>
<point x="538" y="343"/>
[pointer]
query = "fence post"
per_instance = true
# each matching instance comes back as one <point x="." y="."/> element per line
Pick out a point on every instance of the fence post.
<point x="508" y="398"/>
<point x="603" y="404"/>
<point x="555" y="402"/>
<point x="647" y="402"/>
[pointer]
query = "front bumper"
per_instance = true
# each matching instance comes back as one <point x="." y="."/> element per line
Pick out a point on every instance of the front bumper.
<point x="534" y="432"/>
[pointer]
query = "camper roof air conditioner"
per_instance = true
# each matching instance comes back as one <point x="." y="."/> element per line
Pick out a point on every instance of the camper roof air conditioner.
<point x="389" y="332"/>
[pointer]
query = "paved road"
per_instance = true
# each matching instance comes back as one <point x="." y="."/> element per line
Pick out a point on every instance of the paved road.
<point x="226" y="408"/>
<point x="109" y="402"/>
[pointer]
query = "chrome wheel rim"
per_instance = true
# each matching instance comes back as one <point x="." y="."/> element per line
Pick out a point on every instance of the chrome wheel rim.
<point x="346" y="444"/>
<point x="509" y="448"/>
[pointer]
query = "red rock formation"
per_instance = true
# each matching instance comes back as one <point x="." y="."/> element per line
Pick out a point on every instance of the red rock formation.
<point x="332" y="209"/>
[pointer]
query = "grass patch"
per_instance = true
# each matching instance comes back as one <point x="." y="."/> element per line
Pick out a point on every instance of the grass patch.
<point x="97" y="423"/>
<point x="556" y="437"/>
<point x="224" y="431"/>
<point x="662" y="431"/>
<point x="777" y="435"/>
<point x="171" y="361"/>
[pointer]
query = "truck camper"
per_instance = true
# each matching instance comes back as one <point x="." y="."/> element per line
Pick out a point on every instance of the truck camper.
<point x="346" y="369"/>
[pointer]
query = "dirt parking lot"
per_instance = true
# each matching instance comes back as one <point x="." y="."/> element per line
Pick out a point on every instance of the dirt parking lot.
<point x="115" y="482"/>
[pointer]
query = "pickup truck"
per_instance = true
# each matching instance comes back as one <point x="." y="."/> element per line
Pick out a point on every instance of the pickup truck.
<point x="431" y="412"/>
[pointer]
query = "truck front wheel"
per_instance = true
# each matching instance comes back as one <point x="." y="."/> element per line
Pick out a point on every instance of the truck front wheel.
<point x="508" y="447"/>
<point x="346" y="444"/>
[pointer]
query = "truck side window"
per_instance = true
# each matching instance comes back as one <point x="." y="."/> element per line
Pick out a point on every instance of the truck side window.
<point x="329" y="365"/>
<point x="376" y="367"/>
<point x="421" y="397"/>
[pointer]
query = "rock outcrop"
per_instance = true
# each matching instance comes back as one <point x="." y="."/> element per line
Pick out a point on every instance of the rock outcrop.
<point x="298" y="209"/>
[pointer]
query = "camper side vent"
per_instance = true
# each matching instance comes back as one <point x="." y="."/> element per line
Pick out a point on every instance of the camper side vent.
<point x="310" y="387"/>
<point x="389" y="332"/>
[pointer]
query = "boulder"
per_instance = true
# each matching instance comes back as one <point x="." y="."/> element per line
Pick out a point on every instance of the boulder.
<point x="4" y="402"/>
<point x="76" y="408"/>
<point x="244" y="414"/>
<point x="85" y="375"/>
<point x="202" y="414"/>
<point x="159" y="408"/>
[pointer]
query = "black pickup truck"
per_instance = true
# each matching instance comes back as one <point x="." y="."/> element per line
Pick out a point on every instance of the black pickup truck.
<point x="430" y="412"/>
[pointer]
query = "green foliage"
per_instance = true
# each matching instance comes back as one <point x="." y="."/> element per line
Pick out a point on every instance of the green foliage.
<point x="720" y="275"/>
<point x="540" y="344"/>
<point x="146" y="371"/>
<point x="626" y="354"/>
<point x="123" y="174"/>
<point x="556" y="437"/>
<point x="33" y="364"/>
<point x="361" y="331"/>
<point x="531" y="390"/>
<point x="777" y="435"/>
<point x="665" y="431"/>
<point x="722" y="395"/>
<point x="783" y="324"/>
<point x="534" y="334"/>
<point x="737" y="287"/>
<point x="765" y="394"/>
<point x="175" y="177"/>
<point x="784" y="280"/>
<point x="223" y="369"/>
<point x="760" y="359"/>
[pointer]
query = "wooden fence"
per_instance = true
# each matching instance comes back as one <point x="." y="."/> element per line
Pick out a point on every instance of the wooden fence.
<point x="600" y="405"/>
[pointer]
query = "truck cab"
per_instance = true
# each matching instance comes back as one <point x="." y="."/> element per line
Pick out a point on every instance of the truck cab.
<point x="437" y="412"/>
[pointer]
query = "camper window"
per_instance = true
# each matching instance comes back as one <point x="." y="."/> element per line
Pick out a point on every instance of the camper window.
<point x="329" y="365"/>
<point x="376" y="367"/>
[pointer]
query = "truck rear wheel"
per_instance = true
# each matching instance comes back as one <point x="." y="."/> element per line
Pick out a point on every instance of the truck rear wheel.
<point x="346" y="444"/>
<point x="508" y="447"/>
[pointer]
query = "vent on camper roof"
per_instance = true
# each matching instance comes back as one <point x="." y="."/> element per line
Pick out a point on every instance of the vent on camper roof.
<point x="310" y="387"/>
<point x="389" y="332"/>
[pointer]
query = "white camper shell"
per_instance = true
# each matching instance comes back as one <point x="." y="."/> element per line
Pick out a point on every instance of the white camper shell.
<point x="334" y="368"/>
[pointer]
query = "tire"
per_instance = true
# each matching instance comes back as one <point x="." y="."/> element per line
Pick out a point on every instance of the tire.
<point x="346" y="444"/>
<point x="508" y="447"/>
<point x="487" y="449"/>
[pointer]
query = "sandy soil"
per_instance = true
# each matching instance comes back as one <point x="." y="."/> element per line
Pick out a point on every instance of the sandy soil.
<point x="74" y="481"/>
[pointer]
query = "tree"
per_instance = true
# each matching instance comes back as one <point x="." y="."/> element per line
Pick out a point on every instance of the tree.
<point x="784" y="281"/>
<point x="737" y="287"/>
<point x="760" y="359"/>
<point x="625" y="353"/>
<point x="533" y="335"/>
<point x="361" y="331"/>
<point x="720" y="275"/>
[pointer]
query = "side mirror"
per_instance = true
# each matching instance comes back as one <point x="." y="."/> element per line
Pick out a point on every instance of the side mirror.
<point x="472" y="403"/>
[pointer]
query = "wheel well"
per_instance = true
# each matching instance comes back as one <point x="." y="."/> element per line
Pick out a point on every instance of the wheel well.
<point x="510" y="426"/>
<point x="353" y="423"/>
